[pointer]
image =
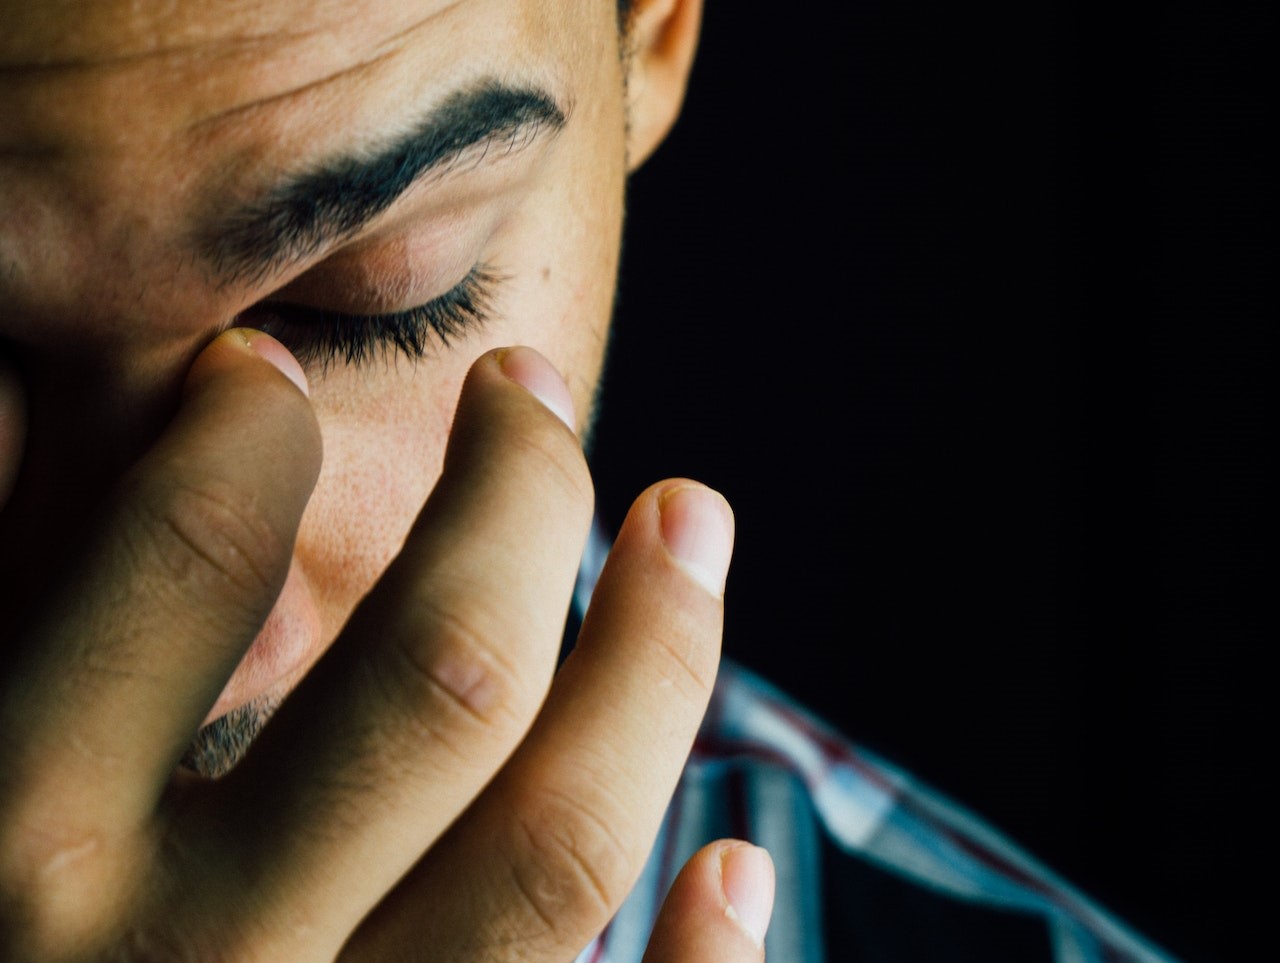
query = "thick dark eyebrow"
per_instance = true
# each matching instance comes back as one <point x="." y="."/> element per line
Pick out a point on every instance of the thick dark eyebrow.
<point x="313" y="208"/>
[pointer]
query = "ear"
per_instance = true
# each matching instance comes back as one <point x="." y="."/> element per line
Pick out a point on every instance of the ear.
<point x="662" y="36"/>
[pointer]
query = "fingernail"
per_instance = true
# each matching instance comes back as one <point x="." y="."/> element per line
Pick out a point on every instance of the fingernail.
<point x="531" y="370"/>
<point x="746" y="878"/>
<point x="272" y="350"/>
<point x="697" y="527"/>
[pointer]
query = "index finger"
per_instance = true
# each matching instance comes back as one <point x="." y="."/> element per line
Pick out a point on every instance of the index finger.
<point x="130" y="652"/>
<point x="431" y="683"/>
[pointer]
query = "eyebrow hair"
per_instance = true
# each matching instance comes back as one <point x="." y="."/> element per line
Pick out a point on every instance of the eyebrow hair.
<point x="316" y="207"/>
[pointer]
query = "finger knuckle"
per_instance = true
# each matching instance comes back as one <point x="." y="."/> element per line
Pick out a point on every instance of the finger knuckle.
<point x="688" y="661"/>
<point x="57" y="887"/>
<point x="570" y="866"/>
<point x="206" y="532"/>
<point x="448" y="671"/>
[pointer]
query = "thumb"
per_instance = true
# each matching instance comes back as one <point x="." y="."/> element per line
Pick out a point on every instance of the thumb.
<point x="718" y="909"/>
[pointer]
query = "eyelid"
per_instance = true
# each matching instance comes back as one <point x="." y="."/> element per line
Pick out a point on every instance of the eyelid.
<point x="324" y="337"/>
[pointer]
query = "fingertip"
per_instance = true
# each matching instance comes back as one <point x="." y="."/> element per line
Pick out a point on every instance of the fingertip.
<point x="271" y="350"/>
<point x="718" y="909"/>
<point x="697" y="528"/>
<point x="268" y="348"/>
<point x="747" y="882"/>
<point x="529" y="369"/>
<point x="240" y="341"/>
<point x="228" y="380"/>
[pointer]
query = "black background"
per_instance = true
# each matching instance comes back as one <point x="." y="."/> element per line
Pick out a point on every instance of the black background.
<point x="961" y="309"/>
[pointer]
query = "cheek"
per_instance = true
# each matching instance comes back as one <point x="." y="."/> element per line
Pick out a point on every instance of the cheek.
<point x="560" y="296"/>
<point x="571" y="333"/>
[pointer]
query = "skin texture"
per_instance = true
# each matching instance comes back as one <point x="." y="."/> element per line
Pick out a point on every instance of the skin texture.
<point x="180" y="494"/>
<point x="103" y="270"/>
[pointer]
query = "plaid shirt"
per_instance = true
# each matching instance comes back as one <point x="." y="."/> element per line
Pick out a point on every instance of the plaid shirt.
<point x="871" y="864"/>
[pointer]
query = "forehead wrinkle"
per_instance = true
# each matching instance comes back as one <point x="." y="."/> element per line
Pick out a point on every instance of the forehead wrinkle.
<point x="76" y="109"/>
<point x="74" y="34"/>
<point x="383" y="50"/>
<point x="194" y="50"/>
<point x="349" y="72"/>
<point x="75" y="106"/>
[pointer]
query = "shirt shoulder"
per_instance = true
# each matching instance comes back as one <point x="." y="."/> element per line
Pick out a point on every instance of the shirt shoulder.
<point x="872" y="865"/>
<point x="885" y="867"/>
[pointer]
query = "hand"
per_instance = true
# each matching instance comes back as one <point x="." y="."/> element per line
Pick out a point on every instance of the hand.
<point x="428" y="792"/>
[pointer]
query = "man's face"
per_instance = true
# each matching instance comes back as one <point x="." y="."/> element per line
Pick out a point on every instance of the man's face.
<point x="299" y="165"/>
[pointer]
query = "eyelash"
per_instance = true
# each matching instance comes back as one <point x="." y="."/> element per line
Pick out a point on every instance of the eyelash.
<point x="320" y="336"/>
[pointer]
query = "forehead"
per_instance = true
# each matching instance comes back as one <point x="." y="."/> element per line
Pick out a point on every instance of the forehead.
<point x="119" y="117"/>
<point x="77" y="71"/>
<point x="81" y="31"/>
<point x="68" y="31"/>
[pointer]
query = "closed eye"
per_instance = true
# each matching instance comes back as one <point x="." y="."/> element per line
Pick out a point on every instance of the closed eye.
<point x="324" y="337"/>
